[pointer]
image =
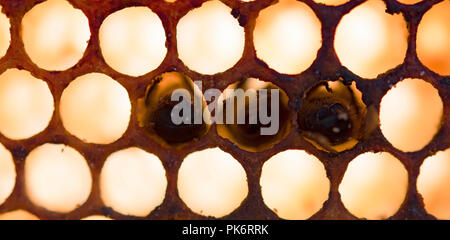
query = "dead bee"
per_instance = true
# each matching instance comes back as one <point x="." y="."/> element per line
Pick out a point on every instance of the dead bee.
<point x="334" y="118"/>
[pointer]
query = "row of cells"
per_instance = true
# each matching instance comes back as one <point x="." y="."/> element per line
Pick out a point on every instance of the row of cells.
<point x="96" y="109"/>
<point x="287" y="36"/>
<point x="212" y="183"/>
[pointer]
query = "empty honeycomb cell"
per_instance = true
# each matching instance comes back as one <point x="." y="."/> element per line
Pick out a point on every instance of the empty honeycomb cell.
<point x="18" y="215"/>
<point x="287" y="36"/>
<point x="132" y="41"/>
<point x="410" y="114"/>
<point x="55" y="34"/>
<point x="294" y="184"/>
<point x="369" y="41"/>
<point x="155" y="110"/>
<point x="7" y="174"/>
<point x="409" y="2"/>
<point x="374" y="185"/>
<point x="26" y="104"/>
<point x="5" y="35"/>
<point x="433" y="38"/>
<point x="433" y="182"/>
<point x="57" y="177"/>
<point x="97" y="217"/>
<point x="210" y="39"/>
<point x="266" y="129"/>
<point x="95" y="108"/>
<point x="133" y="182"/>
<point x="212" y="183"/>
<point x="332" y="2"/>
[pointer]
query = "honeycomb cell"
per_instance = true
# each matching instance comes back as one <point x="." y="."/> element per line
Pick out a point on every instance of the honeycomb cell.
<point x="55" y="34"/>
<point x="333" y="117"/>
<point x="287" y="36"/>
<point x="157" y="110"/>
<point x="409" y="2"/>
<point x="332" y="2"/>
<point x="18" y="215"/>
<point x="253" y="114"/>
<point x="133" y="182"/>
<point x="95" y="108"/>
<point x="433" y="38"/>
<point x="5" y="35"/>
<point x="374" y="185"/>
<point x="7" y="174"/>
<point x="57" y="177"/>
<point x="97" y="217"/>
<point x="26" y="104"/>
<point x="212" y="183"/>
<point x="369" y="41"/>
<point x="132" y="41"/>
<point x="433" y="182"/>
<point x="410" y="114"/>
<point x="294" y="184"/>
<point x="210" y="39"/>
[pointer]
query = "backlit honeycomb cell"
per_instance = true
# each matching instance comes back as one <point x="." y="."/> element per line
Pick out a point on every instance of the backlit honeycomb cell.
<point x="55" y="34"/>
<point x="73" y="76"/>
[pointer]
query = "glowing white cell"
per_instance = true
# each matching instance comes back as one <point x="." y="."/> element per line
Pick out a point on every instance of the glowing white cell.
<point x="210" y="39"/>
<point x="18" y="215"/>
<point x="55" y="34"/>
<point x="212" y="183"/>
<point x="294" y="184"/>
<point x="374" y="185"/>
<point x="433" y="38"/>
<point x="133" y="182"/>
<point x="95" y="108"/>
<point x="5" y="35"/>
<point x="132" y="41"/>
<point x="410" y="114"/>
<point x="433" y="182"/>
<point x="26" y="104"/>
<point x="96" y="217"/>
<point x="7" y="174"/>
<point x="287" y="36"/>
<point x="369" y="41"/>
<point x="332" y="2"/>
<point x="57" y="177"/>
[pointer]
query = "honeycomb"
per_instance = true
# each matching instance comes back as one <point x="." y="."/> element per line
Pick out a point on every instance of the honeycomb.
<point x="327" y="64"/>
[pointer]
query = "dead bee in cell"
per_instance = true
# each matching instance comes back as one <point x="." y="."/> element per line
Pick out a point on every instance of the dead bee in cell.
<point x="334" y="118"/>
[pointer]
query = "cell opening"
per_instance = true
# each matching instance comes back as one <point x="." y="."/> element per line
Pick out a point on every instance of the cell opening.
<point x="210" y="40"/>
<point x="132" y="41"/>
<point x="294" y="184"/>
<point x="333" y="117"/>
<point x="212" y="183"/>
<point x="55" y="34"/>
<point x="7" y="174"/>
<point x="97" y="218"/>
<point x="18" y="215"/>
<point x="156" y="110"/>
<point x="332" y="2"/>
<point x="287" y="36"/>
<point x="57" y="178"/>
<point x="433" y="38"/>
<point x="95" y="108"/>
<point x="133" y="182"/>
<point x="411" y="114"/>
<point x="5" y="35"/>
<point x="369" y="41"/>
<point x="258" y="131"/>
<point x="26" y="104"/>
<point x="433" y="182"/>
<point x="374" y="185"/>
